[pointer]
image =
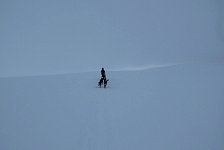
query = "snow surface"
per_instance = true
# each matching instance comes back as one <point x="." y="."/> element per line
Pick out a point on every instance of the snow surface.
<point x="164" y="59"/>
<point x="177" y="107"/>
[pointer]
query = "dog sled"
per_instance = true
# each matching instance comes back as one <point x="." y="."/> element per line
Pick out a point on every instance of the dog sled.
<point x="103" y="82"/>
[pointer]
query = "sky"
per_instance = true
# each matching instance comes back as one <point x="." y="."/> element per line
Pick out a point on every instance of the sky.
<point x="50" y="37"/>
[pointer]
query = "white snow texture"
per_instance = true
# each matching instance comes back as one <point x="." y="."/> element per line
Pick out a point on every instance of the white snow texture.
<point x="169" y="108"/>
<point x="164" y="60"/>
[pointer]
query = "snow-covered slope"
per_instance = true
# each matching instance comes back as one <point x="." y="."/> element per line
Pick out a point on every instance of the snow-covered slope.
<point x="177" y="107"/>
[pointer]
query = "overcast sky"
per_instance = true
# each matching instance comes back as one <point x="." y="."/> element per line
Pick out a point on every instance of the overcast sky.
<point x="53" y="36"/>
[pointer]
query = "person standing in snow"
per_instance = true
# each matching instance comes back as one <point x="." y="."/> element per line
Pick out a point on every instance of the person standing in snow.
<point x="103" y="79"/>
<point x="103" y="73"/>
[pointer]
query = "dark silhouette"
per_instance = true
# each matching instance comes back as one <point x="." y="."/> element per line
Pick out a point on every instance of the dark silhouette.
<point x="103" y="73"/>
<point x="103" y="80"/>
<point x="100" y="82"/>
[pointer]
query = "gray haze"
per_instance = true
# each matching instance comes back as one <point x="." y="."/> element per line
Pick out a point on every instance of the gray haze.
<point x="45" y="37"/>
<point x="164" y="61"/>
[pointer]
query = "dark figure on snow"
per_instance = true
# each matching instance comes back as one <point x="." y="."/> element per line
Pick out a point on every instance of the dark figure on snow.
<point x="105" y="82"/>
<point x="103" y="73"/>
<point x="100" y="82"/>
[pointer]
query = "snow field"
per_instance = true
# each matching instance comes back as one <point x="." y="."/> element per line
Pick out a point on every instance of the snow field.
<point x="169" y="108"/>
